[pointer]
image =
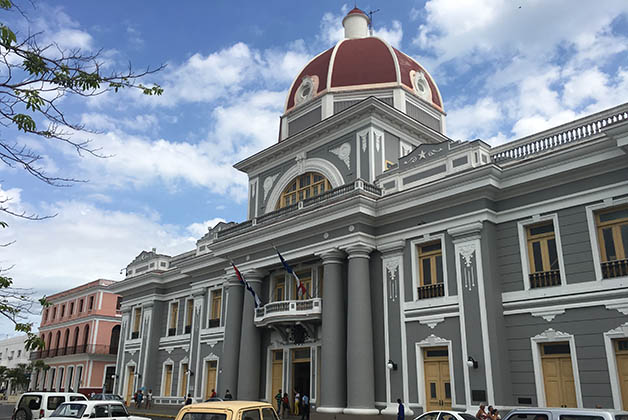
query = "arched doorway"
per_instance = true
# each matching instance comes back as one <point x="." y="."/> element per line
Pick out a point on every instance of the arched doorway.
<point x="114" y="340"/>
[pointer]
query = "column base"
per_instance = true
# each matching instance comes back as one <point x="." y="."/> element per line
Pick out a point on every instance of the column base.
<point x="329" y="410"/>
<point x="361" y="411"/>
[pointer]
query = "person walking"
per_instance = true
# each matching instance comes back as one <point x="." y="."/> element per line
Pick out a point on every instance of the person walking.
<point x="285" y="405"/>
<point x="140" y="397"/>
<point x="278" y="397"/>
<point x="305" y="407"/>
<point x="228" y="395"/>
<point x="213" y="394"/>
<point x="401" y="411"/>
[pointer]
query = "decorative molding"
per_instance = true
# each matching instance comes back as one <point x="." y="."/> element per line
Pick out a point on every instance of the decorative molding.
<point x="392" y="264"/>
<point x="621" y="331"/>
<point x="432" y="340"/>
<point x="169" y="350"/>
<point x="547" y="315"/>
<point x="392" y="267"/>
<point x="621" y="307"/>
<point x="431" y="321"/>
<point x="132" y="351"/>
<point x="344" y="153"/>
<point x="268" y="184"/>
<point x="300" y="159"/>
<point x="364" y="138"/>
<point x="466" y="253"/>
<point x="378" y="139"/>
<point x="551" y="334"/>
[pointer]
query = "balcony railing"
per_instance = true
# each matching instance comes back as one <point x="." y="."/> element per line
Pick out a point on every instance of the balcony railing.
<point x="80" y="349"/>
<point x="135" y="334"/>
<point x="188" y="328"/>
<point x="431" y="291"/>
<point x="558" y="136"/>
<point x="616" y="268"/>
<point x="288" y="310"/>
<point x="172" y="331"/>
<point x="213" y="323"/>
<point x="354" y="187"/>
<point x="544" y="279"/>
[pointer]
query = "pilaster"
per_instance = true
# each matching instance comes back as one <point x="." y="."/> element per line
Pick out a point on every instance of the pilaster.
<point x="228" y="374"/>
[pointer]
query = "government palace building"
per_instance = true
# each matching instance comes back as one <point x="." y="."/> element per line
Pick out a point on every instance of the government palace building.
<point x="445" y="273"/>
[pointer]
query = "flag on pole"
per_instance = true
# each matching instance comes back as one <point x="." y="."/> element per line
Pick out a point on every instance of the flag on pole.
<point x="301" y="290"/>
<point x="248" y="287"/>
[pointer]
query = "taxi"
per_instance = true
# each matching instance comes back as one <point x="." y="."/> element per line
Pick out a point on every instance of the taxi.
<point x="228" y="410"/>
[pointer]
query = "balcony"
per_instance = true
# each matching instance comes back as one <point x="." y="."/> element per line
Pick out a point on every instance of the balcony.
<point x="431" y="291"/>
<point x="616" y="268"/>
<point x="289" y="311"/>
<point x="82" y="349"/>
<point x="544" y="279"/>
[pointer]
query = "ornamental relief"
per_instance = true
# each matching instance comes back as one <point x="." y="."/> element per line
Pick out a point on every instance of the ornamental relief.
<point x="467" y="270"/>
<point x="392" y="269"/>
<point x="268" y="184"/>
<point x="344" y="153"/>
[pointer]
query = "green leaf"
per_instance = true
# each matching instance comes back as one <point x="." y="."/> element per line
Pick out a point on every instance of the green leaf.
<point x="5" y="4"/>
<point x="24" y="122"/>
<point x="34" y="64"/>
<point x="6" y="35"/>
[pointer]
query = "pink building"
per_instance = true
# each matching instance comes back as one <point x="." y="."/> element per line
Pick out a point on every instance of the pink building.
<point x="81" y="331"/>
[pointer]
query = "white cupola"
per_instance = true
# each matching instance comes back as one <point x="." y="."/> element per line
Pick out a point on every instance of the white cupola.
<point x="356" y="24"/>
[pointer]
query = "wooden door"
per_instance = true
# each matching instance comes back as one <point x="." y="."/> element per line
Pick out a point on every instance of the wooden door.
<point x="184" y="380"/>
<point x="621" y="350"/>
<point x="129" y="384"/>
<point x="560" y="389"/>
<point x="277" y="372"/>
<point x="210" y="382"/>
<point x="437" y="380"/>
<point x="168" y="381"/>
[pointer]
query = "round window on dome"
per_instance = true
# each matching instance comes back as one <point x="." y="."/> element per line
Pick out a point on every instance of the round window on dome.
<point x="306" y="89"/>
<point x="421" y="86"/>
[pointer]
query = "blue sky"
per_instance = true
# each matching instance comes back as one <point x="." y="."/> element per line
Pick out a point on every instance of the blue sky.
<point x="505" y="69"/>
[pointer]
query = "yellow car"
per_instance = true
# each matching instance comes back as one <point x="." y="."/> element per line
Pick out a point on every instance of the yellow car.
<point x="228" y="410"/>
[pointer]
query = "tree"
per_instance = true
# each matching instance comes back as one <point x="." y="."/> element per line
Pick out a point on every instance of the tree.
<point x="33" y="80"/>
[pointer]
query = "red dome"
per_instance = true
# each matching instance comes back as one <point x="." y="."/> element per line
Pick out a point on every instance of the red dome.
<point x="362" y="63"/>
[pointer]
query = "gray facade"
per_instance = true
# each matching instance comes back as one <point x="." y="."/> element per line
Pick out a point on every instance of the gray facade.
<point x="376" y="321"/>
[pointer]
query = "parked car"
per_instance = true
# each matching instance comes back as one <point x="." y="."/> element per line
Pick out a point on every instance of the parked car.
<point x="446" y="415"/>
<point x="108" y="397"/>
<point x="37" y="405"/>
<point x="228" y="410"/>
<point x="93" y="409"/>
<point x="565" y="414"/>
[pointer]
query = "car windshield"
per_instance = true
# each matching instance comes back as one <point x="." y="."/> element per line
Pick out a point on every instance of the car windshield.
<point x="69" y="410"/>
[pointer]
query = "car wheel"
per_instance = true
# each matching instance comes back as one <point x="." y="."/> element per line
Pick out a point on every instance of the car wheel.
<point x="23" y="414"/>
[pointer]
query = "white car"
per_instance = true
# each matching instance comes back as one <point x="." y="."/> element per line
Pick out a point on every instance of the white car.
<point x="93" y="409"/>
<point x="37" y="405"/>
<point x="446" y="415"/>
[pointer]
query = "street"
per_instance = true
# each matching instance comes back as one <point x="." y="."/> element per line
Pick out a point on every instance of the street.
<point x="5" y="411"/>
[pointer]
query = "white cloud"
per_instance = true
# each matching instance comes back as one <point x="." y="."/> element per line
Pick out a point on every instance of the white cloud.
<point x="200" y="229"/>
<point x="392" y="35"/>
<point x="72" y="39"/>
<point x="471" y="121"/>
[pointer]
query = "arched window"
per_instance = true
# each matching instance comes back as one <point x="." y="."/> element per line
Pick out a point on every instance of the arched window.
<point x="302" y="187"/>
<point x="114" y="340"/>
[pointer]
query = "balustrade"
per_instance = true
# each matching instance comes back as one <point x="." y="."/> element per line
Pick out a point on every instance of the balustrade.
<point x="616" y="268"/>
<point x="544" y="279"/>
<point x="431" y="291"/>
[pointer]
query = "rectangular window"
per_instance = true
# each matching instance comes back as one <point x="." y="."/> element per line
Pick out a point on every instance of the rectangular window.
<point x="62" y="311"/>
<point x="305" y="277"/>
<point x="189" y="311"/>
<point x="118" y="303"/>
<point x="612" y="228"/>
<point x="46" y="315"/>
<point x="91" y="303"/>
<point x="72" y="308"/>
<point x="542" y="255"/>
<point x="80" y="306"/>
<point x="174" y="316"/>
<point x="430" y="269"/>
<point x="54" y="312"/>
<point x="216" y="307"/>
<point x="279" y="293"/>
<point x="137" y="317"/>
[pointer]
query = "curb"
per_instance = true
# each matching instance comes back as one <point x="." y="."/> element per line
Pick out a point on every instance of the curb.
<point x="148" y="414"/>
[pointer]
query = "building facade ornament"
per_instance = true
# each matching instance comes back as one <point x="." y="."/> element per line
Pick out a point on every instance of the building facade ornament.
<point x="344" y="153"/>
<point x="268" y="184"/>
<point x="432" y="340"/>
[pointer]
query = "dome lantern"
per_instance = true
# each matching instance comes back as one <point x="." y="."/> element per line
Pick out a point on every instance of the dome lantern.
<point x="356" y="24"/>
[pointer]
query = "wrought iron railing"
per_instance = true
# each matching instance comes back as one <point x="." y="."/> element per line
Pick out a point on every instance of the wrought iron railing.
<point x="554" y="137"/>
<point x="213" y="323"/>
<point x="80" y="349"/>
<point x="172" y="331"/>
<point x="616" y="268"/>
<point x="306" y="307"/>
<point x="544" y="279"/>
<point x="431" y="291"/>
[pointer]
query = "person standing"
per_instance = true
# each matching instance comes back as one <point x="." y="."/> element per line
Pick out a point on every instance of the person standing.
<point x="278" y="398"/>
<point x="401" y="411"/>
<point x="481" y="414"/>
<point x="140" y="397"/>
<point x="213" y="394"/>
<point x="297" y="398"/>
<point x="305" y="407"/>
<point x="188" y="401"/>
<point x="285" y="405"/>
<point x="149" y="398"/>
<point x="228" y="395"/>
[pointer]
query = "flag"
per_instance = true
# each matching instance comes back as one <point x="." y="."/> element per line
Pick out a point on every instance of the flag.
<point x="248" y="287"/>
<point x="301" y="290"/>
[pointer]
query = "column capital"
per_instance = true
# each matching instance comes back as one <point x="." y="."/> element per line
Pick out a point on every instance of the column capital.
<point x="390" y="249"/>
<point x="231" y="281"/>
<point x="359" y="251"/>
<point x="199" y="292"/>
<point x="332" y="256"/>
<point x="465" y="232"/>
<point x="254" y="275"/>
